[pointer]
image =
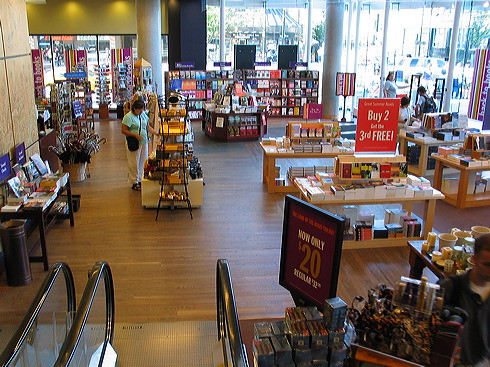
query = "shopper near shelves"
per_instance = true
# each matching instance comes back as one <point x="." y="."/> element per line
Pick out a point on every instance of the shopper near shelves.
<point x="135" y="124"/>
<point x="406" y="117"/>
<point x="470" y="291"/>
<point x="390" y="88"/>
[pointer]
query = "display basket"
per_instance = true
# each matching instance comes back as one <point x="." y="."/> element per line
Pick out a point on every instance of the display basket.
<point x="77" y="171"/>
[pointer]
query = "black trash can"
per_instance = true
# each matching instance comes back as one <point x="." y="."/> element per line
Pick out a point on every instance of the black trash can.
<point x="14" y="244"/>
<point x="120" y="111"/>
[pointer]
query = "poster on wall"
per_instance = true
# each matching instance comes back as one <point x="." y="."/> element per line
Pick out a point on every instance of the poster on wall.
<point x="377" y="125"/>
<point x="38" y="72"/>
<point x="310" y="252"/>
<point x="480" y="85"/>
<point x="76" y="61"/>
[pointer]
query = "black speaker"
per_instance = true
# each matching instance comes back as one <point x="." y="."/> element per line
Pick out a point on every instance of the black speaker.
<point x="245" y="56"/>
<point x="287" y="54"/>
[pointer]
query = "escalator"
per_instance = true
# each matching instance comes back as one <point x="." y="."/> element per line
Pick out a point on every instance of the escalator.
<point x="53" y="336"/>
<point x="55" y="333"/>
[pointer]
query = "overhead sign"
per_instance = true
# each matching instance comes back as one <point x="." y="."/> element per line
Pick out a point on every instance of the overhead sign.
<point x="480" y="85"/>
<point x="184" y="65"/>
<point x="377" y="125"/>
<point x="78" y="75"/>
<point x="294" y="64"/>
<point x="262" y="63"/>
<point x="222" y="64"/>
<point x="5" y="168"/>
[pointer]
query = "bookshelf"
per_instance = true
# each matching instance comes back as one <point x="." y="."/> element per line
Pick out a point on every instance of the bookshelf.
<point x="235" y="126"/>
<point x="285" y="91"/>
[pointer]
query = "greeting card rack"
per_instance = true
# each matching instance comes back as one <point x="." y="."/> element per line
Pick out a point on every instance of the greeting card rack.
<point x="174" y="153"/>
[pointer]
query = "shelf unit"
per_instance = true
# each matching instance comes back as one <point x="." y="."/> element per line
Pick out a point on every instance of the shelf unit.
<point x="122" y="80"/>
<point x="285" y="91"/>
<point x="102" y="88"/>
<point x="174" y="156"/>
<point x="312" y="131"/>
<point x="462" y="199"/>
<point x="406" y="202"/>
<point x="353" y="168"/>
<point x="235" y="126"/>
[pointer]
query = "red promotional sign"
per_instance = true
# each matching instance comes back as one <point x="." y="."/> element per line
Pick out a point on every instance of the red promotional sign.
<point x="311" y="250"/>
<point x="38" y="72"/>
<point x="313" y="111"/>
<point x="377" y="125"/>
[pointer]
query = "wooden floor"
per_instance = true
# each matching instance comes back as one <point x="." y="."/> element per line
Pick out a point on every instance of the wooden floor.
<point x="165" y="270"/>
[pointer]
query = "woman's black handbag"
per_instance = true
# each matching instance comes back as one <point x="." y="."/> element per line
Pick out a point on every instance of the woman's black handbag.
<point x="133" y="143"/>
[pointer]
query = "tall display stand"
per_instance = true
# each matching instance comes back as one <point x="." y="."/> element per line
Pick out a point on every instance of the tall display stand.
<point x="143" y="78"/>
<point x="122" y="72"/>
<point x="102" y="89"/>
<point x="174" y="154"/>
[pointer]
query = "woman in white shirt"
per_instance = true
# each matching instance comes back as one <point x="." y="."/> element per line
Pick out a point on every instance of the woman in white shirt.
<point x="390" y="88"/>
<point x="405" y="117"/>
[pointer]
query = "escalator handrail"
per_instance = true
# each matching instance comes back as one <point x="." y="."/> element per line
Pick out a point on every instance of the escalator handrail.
<point x="226" y="309"/>
<point x="20" y="335"/>
<point x="67" y="351"/>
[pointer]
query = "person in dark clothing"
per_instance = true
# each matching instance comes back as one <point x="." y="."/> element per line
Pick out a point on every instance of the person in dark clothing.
<point x="470" y="291"/>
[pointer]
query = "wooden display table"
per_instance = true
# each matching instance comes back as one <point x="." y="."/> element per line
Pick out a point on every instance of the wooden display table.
<point x="406" y="202"/>
<point x="235" y="126"/>
<point x="421" y="168"/>
<point x="418" y="261"/>
<point x="461" y="200"/>
<point x="270" y="155"/>
<point x="43" y="220"/>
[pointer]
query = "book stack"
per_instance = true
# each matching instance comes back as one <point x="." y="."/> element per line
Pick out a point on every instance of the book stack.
<point x="363" y="231"/>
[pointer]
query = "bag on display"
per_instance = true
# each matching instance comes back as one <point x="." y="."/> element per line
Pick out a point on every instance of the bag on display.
<point x="133" y="143"/>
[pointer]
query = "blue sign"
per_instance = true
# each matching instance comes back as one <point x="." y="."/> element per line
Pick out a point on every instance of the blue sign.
<point x="262" y="63"/>
<point x="5" y="168"/>
<point x="78" y="75"/>
<point x="183" y="65"/>
<point x="43" y="44"/>
<point x="77" y="109"/>
<point x="20" y="153"/>
<point x="293" y="64"/>
<point x="222" y="64"/>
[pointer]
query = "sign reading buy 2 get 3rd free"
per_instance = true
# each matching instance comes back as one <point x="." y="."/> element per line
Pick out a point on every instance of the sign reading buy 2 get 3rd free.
<point x="377" y="125"/>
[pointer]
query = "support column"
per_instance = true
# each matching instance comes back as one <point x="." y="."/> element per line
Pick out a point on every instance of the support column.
<point x="308" y="34"/>
<point x="356" y="47"/>
<point x="332" y="55"/>
<point x="149" y="32"/>
<point x="452" y="57"/>
<point x="222" y="26"/>
<point x="382" y="72"/>
<point x="348" y="43"/>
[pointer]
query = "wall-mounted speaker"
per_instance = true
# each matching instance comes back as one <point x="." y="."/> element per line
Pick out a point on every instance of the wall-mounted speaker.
<point x="245" y="56"/>
<point x="287" y="54"/>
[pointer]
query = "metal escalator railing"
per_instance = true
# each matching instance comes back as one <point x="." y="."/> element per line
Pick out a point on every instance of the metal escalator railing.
<point x="15" y="344"/>
<point x="228" y="326"/>
<point x="101" y="270"/>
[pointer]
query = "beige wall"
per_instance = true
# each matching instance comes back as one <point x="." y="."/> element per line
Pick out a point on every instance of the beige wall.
<point x="86" y="17"/>
<point x="17" y="108"/>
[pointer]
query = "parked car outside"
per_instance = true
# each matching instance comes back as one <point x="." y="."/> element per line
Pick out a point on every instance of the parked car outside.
<point x="429" y="67"/>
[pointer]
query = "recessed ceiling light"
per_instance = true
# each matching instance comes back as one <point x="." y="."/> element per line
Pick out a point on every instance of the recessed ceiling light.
<point x="486" y="4"/>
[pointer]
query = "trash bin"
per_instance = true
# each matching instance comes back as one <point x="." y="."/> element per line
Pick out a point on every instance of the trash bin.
<point x="14" y="243"/>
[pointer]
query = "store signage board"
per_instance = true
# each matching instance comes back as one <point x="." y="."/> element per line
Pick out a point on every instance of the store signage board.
<point x="77" y="109"/>
<point x="313" y="111"/>
<point x="184" y="65"/>
<point x="480" y="86"/>
<point x="20" y="153"/>
<point x="222" y="64"/>
<point x="262" y="63"/>
<point x="345" y="84"/>
<point x="377" y="125"/>
<point x="5" y="168"/>
<point x="311" y="251"/>
<point x="78" y="75"/>
<point x="300" y="64"/>
<point x="486" y="117"/>
<point x="38" y="72"/>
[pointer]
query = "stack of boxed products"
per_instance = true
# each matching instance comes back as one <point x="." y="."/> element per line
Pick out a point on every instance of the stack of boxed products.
<point x="362" y="226"/>
<point x="327" y="186"/>
<point x="463" y="157"/>
<point x="304" y="338"/>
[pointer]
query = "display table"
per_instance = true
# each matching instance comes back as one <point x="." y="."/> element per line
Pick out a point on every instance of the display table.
<point x="150" y="191"/>
<point x="43" y="219"/>
<point x="406" y="202"/>
<point x="421" y="168"/>
<point x="234" y="126"/>
<point x="461" y="200"/>
<point x="418" y="261"/>
<point x="269" y="157"/>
